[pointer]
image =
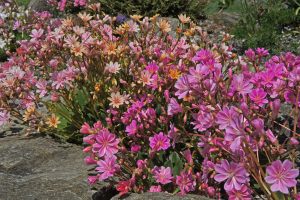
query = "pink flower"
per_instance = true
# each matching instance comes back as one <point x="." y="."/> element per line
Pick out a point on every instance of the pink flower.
<point x="159" y="142"/>
<point x="36" y="34"/>
<point x="281" y="176"/>
<point x="234" y="174"/>
<point x="258" y="96"/>
<point x="225" y="117"/>
<point x="162" y="175"/>
<point x="174" y="107"/>
<point x="185" y="182"/>
<point x="4" y="117"/>
<point x="240" y="85"/>
<point x="155" y="188"/>
<point x="131" y="129"/>
<point x="183" y="87"/>
<point x="106" y="143"/>
<point x="107" y="167"/>
<point x="112" y="67"/>
<point x="152" y="68"/>
<point x="203" y="56"/>
<point x="141" y="164"/>
<point x="203" y="120"/>
<point x="42" y="88"/>
<point x="243" y="194"/>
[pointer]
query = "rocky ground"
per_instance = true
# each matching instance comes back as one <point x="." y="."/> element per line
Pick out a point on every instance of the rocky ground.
<point x="39" y="168"/>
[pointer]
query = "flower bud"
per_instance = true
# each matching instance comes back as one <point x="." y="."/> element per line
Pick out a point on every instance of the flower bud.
<point x="245" y="109"/>
<point x="258" y="124"/>
<point x="271" y="136"/>
<point x="275" y="105"/>
<point x="294" y="141"/>
<point x="135" y="148"/>
<point x="211" y="191"/>
<point x="89" y="161"/>
<point x="87" y="149"/>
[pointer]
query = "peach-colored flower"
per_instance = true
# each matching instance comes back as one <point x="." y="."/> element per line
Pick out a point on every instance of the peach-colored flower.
<point x="116" y="99"/>
<point x="78" y="49"/>
<point x="28" y="113"/>
<point x="110" y="48"/>
<point x="164" y="26"/>
<point x="53" y="121"/>
<point x="68" y="22"/>
<point x="184" y="19"/>
<point x="136" y="17"/>
<point x="145" y="78"/>
<point x="70" y="40"/>
<point x="84" y="17"/>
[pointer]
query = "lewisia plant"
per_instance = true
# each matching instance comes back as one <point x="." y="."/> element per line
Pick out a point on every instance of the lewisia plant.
<point x="161" y="108"/>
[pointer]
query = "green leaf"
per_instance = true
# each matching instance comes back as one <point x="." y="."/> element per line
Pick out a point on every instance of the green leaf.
<point x="81" y="98"/>
<point x="175" y="163"/>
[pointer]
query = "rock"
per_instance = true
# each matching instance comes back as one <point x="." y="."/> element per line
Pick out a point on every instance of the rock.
<point x="40" y="168"/>
<point x="161" y="196"/>
<point x="39" y="5"/>
<point x="226" y="19"/>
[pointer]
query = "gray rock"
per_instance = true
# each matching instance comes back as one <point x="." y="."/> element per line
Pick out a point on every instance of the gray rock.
<point x="161" y="196"/>
<point x="40" y="169"/>
<point x="39" y="5"/>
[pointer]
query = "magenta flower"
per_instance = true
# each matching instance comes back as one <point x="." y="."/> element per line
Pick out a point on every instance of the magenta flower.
<point x="240" y="85"/>
<point x="281" y="176"/>
<point x="250" y="54"/>
<point x="261" y="52"/>
<point x="131" y="129"/>
<point x="203" y="56"/>
<point x="163" y="175"/>
<point x="234" y="174"/>
<point x="107" y="167"/>
<point x="258" y="96"/>
<point x="185" y="182"/>
<point x="159" y="142"/>
<point x="106" y="143"/>
<point x="174" y="107"/>
<point x="225" y="117"/>
<point x="183" y="87"/>
<point x="243" y="194"/>
<point x="203" y="120"/>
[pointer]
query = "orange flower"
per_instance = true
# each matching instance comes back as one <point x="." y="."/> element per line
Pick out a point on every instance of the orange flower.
<point x="174" y="74"/>
<point x="53" y="121"/>
<point x="111" y="48"/>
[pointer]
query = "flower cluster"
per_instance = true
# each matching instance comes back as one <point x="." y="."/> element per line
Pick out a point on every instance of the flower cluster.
<point x="62" y="5"/>
<point x="161" y="110"/>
